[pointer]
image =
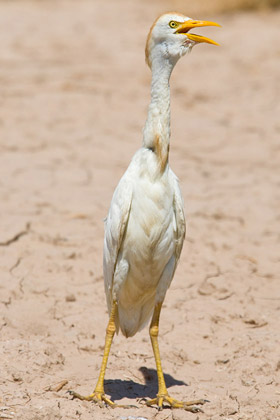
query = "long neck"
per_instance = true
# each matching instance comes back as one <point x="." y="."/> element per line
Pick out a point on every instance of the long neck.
<point x="156" y="135"/>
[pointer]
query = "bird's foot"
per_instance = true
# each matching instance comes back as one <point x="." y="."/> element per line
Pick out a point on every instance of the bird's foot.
<point x="98" y="398"/>
<point x="191" y="406"/>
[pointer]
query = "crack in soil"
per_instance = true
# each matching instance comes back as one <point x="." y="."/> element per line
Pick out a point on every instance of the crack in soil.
<point x="17" y="236"/>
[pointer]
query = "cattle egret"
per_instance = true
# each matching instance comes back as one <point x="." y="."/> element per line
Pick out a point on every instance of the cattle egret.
<point x="145" y="226"/>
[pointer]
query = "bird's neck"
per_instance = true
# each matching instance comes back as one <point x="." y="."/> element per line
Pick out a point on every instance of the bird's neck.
<point x="156" y="135"/>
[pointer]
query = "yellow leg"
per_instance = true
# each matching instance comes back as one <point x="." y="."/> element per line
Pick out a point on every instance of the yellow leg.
<point x="98" y="395"/>
<point x="162" y="395"/>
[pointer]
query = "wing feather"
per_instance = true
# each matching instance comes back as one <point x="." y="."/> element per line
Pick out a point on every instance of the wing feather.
<point x="180" y="223"/>
<point x="115" y="227"/>
<point x="179" y="230"/>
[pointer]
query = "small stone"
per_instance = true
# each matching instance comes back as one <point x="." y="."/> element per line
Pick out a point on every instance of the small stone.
<point x="70" y="298"/>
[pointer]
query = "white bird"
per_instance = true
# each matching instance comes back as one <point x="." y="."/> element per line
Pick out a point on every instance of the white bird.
<point x="145" y="226"/>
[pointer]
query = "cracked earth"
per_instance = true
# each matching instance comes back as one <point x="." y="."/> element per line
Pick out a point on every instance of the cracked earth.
<point x="73" y="103"/>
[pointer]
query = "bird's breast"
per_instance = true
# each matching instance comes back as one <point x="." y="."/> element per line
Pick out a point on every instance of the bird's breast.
<point x="149" y="240"/>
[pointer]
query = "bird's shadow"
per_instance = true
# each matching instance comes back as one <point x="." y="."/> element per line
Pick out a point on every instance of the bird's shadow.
<point x="118" y="389"/>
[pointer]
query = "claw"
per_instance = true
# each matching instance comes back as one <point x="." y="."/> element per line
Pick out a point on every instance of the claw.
<point x="70" y="393"/>
<point x="173" y="403"/>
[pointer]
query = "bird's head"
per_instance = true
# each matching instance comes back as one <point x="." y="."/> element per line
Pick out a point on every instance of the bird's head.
<point x="169" y="37"/>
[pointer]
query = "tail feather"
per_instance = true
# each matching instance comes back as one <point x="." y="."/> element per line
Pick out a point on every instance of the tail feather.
<point x="133" y="319"/>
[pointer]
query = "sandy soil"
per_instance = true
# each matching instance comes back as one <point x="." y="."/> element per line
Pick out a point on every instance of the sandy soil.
<point x="74" y="96"/>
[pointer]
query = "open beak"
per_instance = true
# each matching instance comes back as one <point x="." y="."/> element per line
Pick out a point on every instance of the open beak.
<point x="184" y="28"/>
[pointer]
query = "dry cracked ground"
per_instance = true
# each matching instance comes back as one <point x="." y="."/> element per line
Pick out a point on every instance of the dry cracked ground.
<point x="74" y="95"/>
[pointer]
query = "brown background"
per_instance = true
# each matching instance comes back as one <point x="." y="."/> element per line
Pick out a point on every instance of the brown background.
<point x="74" y="95"/>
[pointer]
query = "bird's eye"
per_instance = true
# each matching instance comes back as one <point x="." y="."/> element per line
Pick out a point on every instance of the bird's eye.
<point x="173" y="24"/>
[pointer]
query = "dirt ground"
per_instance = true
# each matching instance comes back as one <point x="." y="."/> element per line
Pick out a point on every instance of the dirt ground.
<point x="74" y="95"/>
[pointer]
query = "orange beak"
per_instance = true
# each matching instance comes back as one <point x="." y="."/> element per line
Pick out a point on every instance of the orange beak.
<point x="184" y="28"/>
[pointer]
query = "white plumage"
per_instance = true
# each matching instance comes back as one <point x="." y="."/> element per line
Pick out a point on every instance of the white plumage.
<point x="145" y="226"/>
<point x="144" y="234"/>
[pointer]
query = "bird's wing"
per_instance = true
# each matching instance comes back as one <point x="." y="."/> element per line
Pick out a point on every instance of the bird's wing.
<point x="115" y="227"/>
<point x="179" y="229"/>
<point x="179" y="222"/>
